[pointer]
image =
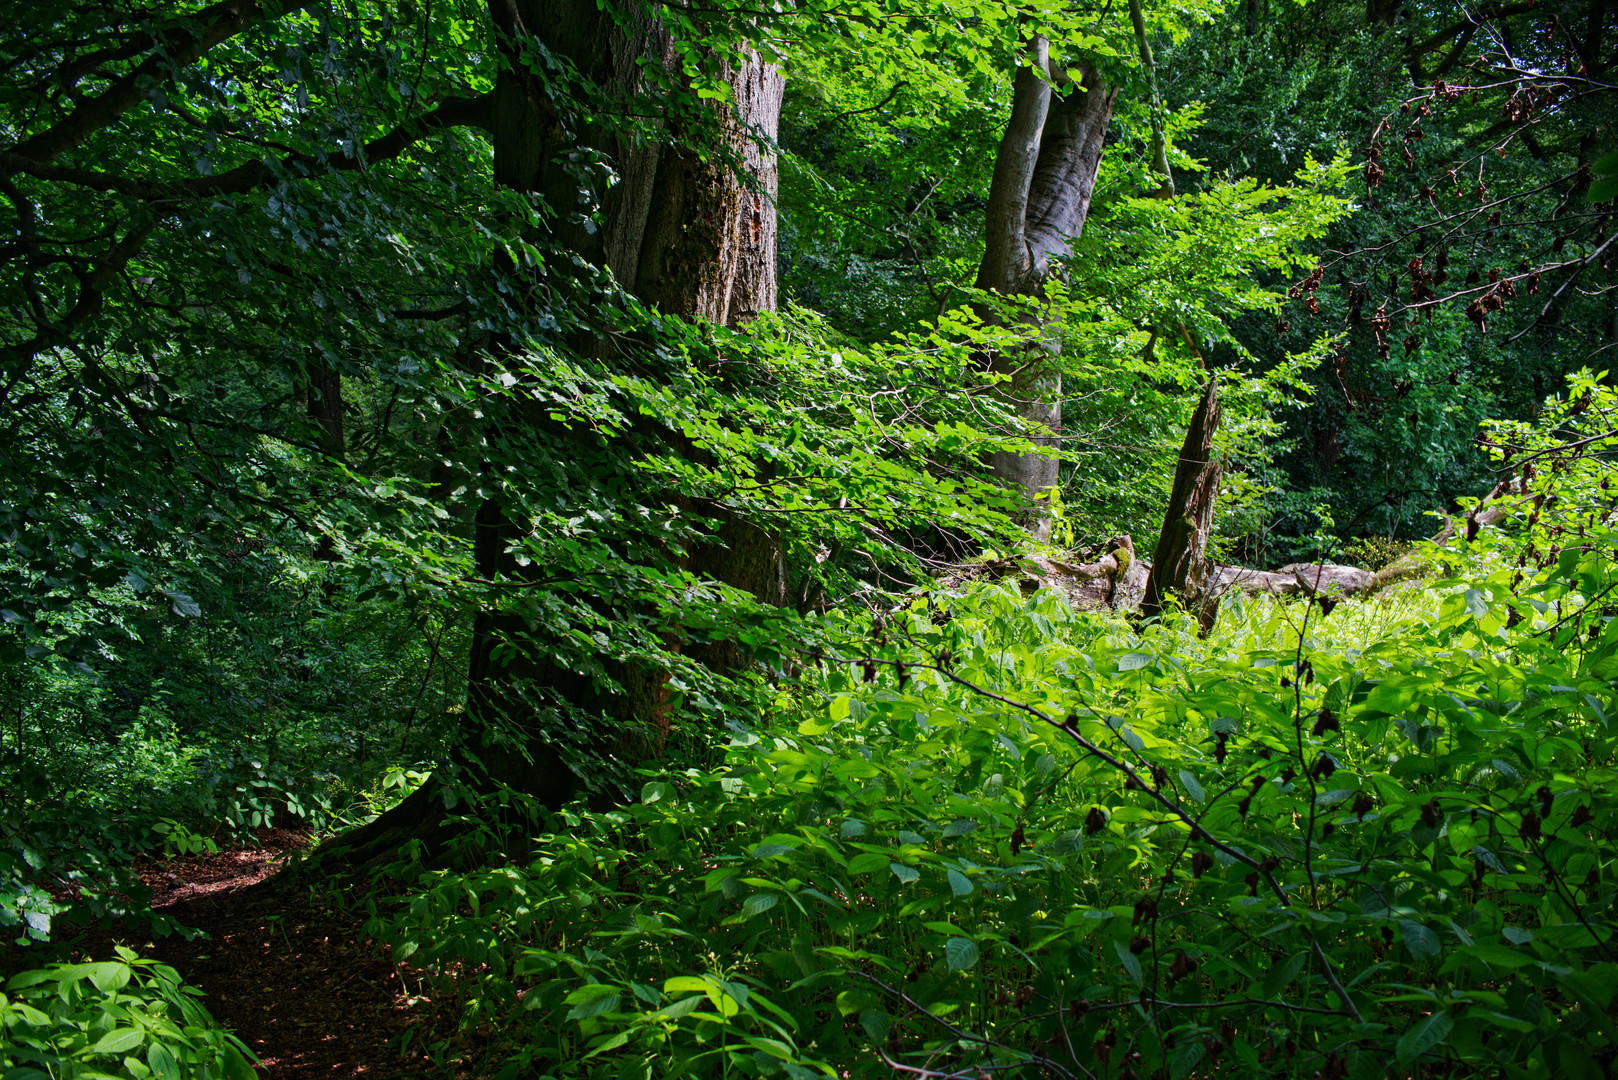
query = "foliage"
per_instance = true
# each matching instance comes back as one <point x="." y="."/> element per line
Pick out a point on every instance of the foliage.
<point x="1466" y="283"/>
<point x="1006" y="834"/>
<point x="128" y="1019"/>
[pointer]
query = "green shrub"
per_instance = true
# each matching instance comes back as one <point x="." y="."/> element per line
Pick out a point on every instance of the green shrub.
<point x="127" y="1019"/>
<point x="1310" y="844"/>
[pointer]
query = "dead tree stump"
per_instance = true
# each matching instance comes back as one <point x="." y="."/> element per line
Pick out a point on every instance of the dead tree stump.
<point x="1180" y="564"/>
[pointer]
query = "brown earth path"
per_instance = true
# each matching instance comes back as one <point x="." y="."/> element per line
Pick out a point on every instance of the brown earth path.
<point x="291" y="974"/>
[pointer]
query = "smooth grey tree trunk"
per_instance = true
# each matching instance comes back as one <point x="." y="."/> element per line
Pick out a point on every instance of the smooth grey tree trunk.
<point x="1044" y="175"/>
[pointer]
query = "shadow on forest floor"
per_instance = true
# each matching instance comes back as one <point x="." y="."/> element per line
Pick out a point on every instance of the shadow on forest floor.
<point x="290" y="974"/>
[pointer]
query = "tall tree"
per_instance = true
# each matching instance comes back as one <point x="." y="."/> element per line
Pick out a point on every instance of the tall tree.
<point x="1044" y="175"/>
<point x="688" y="227"/>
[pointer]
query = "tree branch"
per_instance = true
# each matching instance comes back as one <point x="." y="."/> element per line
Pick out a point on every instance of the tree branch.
<point x="1006" y="258"/>
<point x="178" y="48"/>
<point x="454" y="112"/>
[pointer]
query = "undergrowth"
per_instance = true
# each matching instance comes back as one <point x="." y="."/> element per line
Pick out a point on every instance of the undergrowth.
<point x="994" y="833"/>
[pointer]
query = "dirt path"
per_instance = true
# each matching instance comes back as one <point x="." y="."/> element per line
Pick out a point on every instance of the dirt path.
<point x="290" y="975"/>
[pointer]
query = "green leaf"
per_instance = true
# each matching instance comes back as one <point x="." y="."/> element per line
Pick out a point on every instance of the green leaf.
<point x="109" y="975"/>
<point x="1130" y="961"/>
<point x="1192" y="786"/>
<point x="119" y="1041"/>
<point x="876" y="1023"/>
<point x="592" y="1000"/>
<point x="1606" y="164"/>
<point x="1425" y="1035"/>
<point x="1421" y="941"/>
<point x="867" y="862"/>
<point x="1603" y="189"/>
<point x="1498" y="956"/>
<point x="611" y="1042"/>
<point x="236" y="1067"/>
<point x="959" y="883"/>
<point x="162" y="1062"/>
<point x="1185" y="1058"/>
<point x="759" y="903"/>
<point x="1282" y="974"/>
<point x="1134" y="661"/>
<point x="960" y="953"/>
<point x="1576" y="1062"/>
<point x="904" y="873"/>
<point x="765" y="851"/>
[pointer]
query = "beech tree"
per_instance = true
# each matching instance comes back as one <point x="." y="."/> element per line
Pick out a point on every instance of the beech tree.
<point x="438" y="293"/>
<point x="473" y="310"/>
<point x="1044" y="174"/>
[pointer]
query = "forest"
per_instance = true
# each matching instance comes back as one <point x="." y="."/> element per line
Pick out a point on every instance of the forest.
<point x="848" y="539"/>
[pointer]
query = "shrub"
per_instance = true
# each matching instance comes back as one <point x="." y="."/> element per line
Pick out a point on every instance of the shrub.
<point x="125" y="1018"/>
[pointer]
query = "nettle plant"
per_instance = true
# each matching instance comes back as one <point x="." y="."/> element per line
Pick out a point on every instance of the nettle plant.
<point x="1005" y="834"/>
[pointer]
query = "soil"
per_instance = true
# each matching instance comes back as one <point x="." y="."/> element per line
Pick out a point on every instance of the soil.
<point x="290" y="974"/>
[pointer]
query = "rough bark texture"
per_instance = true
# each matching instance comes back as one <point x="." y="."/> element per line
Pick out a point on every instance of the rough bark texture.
<point x="692" y="234"/>
<point x="1180" y="563"/>
<point x="324" y="406"/>
<point x="1044" y="175"/>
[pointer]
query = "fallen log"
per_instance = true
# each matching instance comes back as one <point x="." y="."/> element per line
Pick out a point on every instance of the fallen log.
<point x="1117" y="580"/>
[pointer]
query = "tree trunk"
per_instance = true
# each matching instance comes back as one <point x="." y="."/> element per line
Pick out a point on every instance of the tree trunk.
<point x="1180" y="562"/>
<point x="688" y="233"/>
<point x="1044" y="173"/>
<point x="324" y="406"/>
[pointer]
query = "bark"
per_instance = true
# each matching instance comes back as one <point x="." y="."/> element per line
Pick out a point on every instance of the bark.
<point x="1180" y="563"/>
<point x="1044" y="174"/>
<point x="323" y="403"/>
<point x="691" y="230"/>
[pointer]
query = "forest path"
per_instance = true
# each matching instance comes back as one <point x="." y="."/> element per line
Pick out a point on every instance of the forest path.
<point x="291" y="975"/>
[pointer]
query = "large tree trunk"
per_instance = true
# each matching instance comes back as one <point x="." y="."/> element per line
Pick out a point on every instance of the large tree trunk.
<point x="689" y="233"/>
<point x="1044" y="173"/>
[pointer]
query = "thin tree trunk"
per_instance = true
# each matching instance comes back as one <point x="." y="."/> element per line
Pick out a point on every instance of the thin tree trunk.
<point x="1180" y="562"/>
<point x="1160" y="147"/>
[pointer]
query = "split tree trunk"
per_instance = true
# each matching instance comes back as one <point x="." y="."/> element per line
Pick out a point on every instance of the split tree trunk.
<point x="1044" y="174"/>
<point x="1180" y="563"/>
